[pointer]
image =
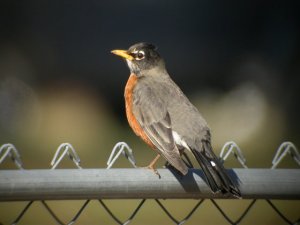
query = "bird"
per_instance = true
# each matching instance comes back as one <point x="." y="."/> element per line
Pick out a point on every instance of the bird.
<point x="163" y="117"/>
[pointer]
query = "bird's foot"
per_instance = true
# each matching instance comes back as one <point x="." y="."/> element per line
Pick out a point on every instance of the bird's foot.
<point x="152" y="164"/>
<point x="150" y="167"/>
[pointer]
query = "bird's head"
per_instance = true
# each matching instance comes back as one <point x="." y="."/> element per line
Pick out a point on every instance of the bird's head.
<point x="141" y="57"/>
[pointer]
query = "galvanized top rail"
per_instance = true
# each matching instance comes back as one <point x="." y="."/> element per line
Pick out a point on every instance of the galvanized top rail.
<point x="141" y="183"/>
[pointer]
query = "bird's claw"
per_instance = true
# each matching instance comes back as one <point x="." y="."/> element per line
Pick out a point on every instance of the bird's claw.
<point x="154" y="170"/>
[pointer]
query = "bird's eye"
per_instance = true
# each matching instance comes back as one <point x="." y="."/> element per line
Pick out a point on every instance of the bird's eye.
<point x="140" y="55"/>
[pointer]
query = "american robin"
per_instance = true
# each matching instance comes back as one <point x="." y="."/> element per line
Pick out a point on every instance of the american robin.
<point x="164" y="118"/>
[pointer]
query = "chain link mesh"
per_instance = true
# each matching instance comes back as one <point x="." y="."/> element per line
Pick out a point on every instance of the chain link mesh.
<point x="9" y="151"/>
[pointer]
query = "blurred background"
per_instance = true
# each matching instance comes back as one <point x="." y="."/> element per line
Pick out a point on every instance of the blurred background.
<point x="237" y="61"/>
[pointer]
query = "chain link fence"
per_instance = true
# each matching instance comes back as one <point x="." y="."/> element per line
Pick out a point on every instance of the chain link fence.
<point x="127" y="211"/>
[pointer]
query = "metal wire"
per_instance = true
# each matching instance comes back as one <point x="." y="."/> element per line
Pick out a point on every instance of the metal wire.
<point x="227" y="217"/>
<point x="22" y="213"/>
<point x="63" y="150"/>
<point x="185" y="218"/>
<point x="115" y="217"/>
<point x="231" y="147"/>
<point x="284" y="149"/>
<point x="79" y="212"/>
<point x="115" y="154"/>
<point x="278" y="212"/>
<point x="9" y="151"/>
<point x="57" y="220"/>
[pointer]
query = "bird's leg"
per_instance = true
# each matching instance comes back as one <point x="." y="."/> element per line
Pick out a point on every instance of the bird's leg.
<point x="151" y="166"/>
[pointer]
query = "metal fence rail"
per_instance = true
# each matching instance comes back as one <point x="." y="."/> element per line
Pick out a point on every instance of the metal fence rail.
<point x="99" y="184"/>
<point x="73" y="184"/>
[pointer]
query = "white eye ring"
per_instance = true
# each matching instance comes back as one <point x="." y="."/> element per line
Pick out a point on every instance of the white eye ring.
<point x="140" y="55"/>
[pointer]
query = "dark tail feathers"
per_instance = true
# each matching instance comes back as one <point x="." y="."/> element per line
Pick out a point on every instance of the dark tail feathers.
<point x="215" y="173"/>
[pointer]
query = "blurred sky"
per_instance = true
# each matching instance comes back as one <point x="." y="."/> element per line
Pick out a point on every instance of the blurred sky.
<point x="238" y="61"/>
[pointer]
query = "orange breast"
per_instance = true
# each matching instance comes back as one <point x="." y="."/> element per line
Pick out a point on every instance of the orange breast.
<point x="134" y="124"/>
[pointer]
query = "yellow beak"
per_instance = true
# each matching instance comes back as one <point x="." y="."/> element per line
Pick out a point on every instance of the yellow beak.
<point x="122" y="53"/>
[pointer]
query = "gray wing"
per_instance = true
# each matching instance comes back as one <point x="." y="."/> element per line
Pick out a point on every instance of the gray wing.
<point x="153" y="116"/>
